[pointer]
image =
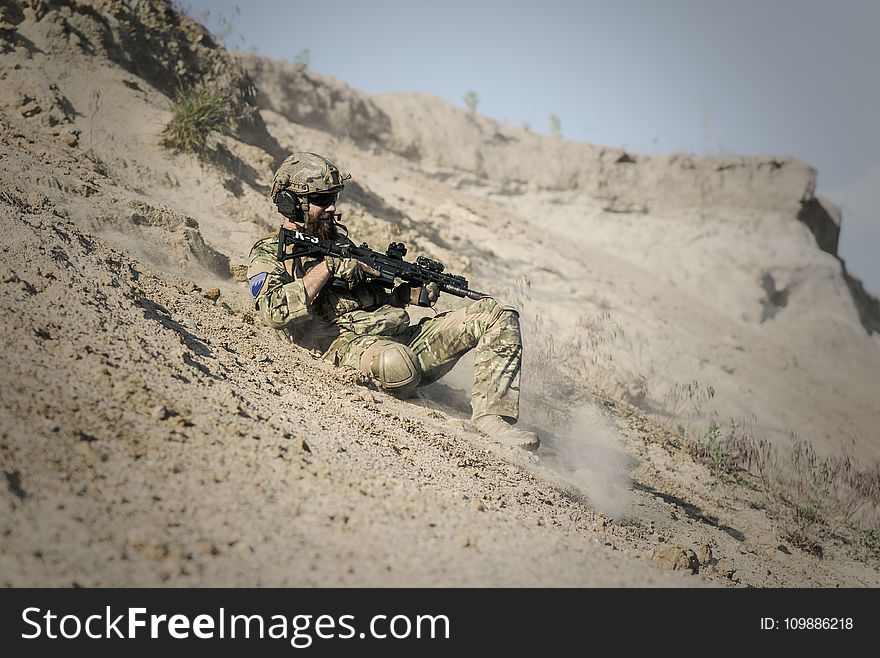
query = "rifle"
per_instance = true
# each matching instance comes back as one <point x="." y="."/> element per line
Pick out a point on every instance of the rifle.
<point x="389" y="265"/>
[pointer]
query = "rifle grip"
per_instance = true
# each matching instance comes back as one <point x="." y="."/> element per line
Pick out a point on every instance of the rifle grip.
<point x="424" y="300"/>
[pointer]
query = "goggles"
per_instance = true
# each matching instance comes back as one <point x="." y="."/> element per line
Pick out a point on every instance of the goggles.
<point x="324" y="199"/>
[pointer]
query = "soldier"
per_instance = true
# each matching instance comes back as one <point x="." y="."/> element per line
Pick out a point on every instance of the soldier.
<point x="329" y="306"/>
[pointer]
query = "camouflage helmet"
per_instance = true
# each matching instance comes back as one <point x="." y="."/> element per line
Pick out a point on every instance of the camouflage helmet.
<point x="307" y="173"/>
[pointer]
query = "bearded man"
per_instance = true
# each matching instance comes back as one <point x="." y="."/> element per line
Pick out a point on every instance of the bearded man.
<point x="330" y="306"/>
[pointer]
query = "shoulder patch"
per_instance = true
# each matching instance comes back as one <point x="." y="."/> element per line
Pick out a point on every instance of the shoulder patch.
<point x="257" y="283"/>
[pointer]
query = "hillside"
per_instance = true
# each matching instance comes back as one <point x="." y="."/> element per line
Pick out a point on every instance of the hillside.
<point x="153" y="433"/>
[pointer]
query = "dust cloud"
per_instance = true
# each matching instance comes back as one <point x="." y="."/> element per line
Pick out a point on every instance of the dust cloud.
<point x="582" y="447"/>
<point x="585" y="450"/>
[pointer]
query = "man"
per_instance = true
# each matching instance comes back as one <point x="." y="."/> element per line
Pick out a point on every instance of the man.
<point x="329" y="306"/>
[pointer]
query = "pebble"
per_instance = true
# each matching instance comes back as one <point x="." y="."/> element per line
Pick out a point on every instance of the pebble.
<point x="675" y="558"/>
<point x="160" y="412"/>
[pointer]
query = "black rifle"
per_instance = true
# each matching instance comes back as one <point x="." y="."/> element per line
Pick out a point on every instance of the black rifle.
<point x="389" y="265"/>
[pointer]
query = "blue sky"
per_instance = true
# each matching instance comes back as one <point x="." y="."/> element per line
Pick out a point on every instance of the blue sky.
<point x="781" y="77"/>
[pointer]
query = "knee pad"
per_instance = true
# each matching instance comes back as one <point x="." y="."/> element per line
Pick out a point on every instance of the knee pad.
<point x="392" y="366"/>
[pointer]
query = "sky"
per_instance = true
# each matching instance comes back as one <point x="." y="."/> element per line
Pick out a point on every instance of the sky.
<point x="779" y="77"/>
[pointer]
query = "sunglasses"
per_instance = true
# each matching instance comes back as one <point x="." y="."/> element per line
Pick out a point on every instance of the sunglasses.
<point x="324" y="200"/>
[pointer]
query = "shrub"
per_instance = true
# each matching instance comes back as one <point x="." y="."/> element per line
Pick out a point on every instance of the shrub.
<point x="303" y="60"/>
<point x="471" y="100"/>
<point x="197" y="114"/>
<point x="721" y="454"/>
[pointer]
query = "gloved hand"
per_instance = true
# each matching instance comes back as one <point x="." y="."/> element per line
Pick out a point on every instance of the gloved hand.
<point x="350" y="270"/>
<point x="406" y="294"/>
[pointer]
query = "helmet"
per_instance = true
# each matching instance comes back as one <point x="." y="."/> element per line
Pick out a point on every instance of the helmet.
<point x="307" y="173"/>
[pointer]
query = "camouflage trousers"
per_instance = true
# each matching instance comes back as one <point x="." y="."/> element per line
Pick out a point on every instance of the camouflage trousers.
<point x="487" y="327"/>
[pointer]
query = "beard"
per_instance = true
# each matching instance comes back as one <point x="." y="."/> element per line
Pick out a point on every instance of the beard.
<point x="322" y="227"/>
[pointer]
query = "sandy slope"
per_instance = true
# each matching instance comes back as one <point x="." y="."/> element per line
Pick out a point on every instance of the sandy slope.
<point x="151" y="433"/>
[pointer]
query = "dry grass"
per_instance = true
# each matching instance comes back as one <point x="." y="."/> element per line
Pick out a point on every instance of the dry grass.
<point x="815" y="499"/>
<point x="683" y="403"/>
<point x="197" y="114"/>
<point x="563" y="369"/>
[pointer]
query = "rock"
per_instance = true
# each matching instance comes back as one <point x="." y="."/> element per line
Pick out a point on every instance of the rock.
<point x="160" y="412"/>
<point x="725" y="567"/>
<point x="675" y="558"/>
<point x="705" y="554"/>
<point x="213" y="294"/>
<point x="823" y="219"/>
<point x="38" y="200"/>
<point x="31" y="109"/>
<point x="238" y="271"/>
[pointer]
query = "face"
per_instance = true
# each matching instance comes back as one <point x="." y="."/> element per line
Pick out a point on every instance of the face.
<point x="319" y="221"/>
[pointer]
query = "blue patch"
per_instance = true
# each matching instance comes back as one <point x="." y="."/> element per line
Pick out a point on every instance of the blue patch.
<point x="257" y="283"/>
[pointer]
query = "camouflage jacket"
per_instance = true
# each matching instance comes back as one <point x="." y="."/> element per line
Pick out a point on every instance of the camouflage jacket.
<point x="280" y="300"/>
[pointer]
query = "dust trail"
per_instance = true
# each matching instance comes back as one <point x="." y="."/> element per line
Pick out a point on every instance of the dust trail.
<point x="585" y="450"/>
<point x="582" y="447"/>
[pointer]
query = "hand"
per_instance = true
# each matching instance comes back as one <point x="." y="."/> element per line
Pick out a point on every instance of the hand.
<point x="433" y="293"/>
<point x="350" y="270"/>
<point x="407" y="294"/>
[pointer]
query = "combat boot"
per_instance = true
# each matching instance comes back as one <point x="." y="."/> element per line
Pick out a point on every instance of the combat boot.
<point x="497" y="428"/>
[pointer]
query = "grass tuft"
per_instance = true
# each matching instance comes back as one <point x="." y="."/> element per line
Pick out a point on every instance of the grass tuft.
<point x="198" y="113"/>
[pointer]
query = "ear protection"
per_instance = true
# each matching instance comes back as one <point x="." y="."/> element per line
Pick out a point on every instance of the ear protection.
<point x="291" y="206"/>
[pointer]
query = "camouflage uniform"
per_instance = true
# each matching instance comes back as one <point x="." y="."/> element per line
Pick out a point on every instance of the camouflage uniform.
<point x="340" y="324"/>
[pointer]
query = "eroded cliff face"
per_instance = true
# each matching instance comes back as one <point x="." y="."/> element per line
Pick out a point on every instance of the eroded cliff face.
<point x="437" y="135"/>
